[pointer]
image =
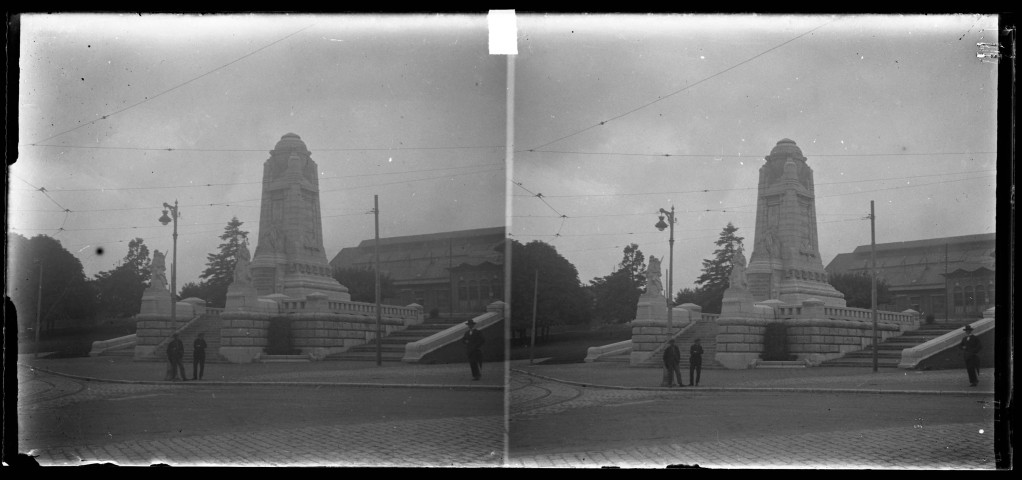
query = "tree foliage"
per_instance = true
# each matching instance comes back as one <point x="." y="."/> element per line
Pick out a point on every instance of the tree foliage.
<point x="120" y="289"/>
<point x="561" y="299"/>
<point x="858" y="287"/>
<point x="716" y="270"/>
<point x="219" y="272"/>
<point x="361" y="283"/>
<point x="66" y="292"/>
<point x="616" y="296"/>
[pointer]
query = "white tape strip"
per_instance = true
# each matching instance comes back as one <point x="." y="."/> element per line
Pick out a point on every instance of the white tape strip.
<point x="503" y="32"/>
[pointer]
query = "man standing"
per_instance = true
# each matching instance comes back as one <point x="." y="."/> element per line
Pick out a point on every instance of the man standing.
<point x="970" y="348"/>
<point x="473" y="340"/>
<point x="672" y="365"/>
<point x="176" y="355"/>
<point x="199" y="357"/>
<point x="695" y="363"/>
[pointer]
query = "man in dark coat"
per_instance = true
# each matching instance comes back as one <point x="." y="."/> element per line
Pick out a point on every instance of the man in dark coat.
<point x="176" y="355"/>
<point x="695" y="363"/>
<point x="672" y="365"/>
<point x="199" y="357"/>
<point x="970" y="348"/>
<point x="473" y="340"/>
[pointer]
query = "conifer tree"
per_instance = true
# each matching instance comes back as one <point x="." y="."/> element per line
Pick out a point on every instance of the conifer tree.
<point x="716" y="270"/>
<point x="219" y="272"/>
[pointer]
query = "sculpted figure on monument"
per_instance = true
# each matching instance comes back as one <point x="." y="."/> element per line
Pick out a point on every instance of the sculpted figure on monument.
<point x="158" y="268"/>
<point x="242" y="273"/>
<point x="738" y="279"/>
<point x="653" y="283"/>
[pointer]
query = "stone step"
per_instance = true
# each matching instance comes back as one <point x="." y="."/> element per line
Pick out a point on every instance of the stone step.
<point x="284" y="359"/>
<point x="779" y="364"/>
<point x="364" y="356"/>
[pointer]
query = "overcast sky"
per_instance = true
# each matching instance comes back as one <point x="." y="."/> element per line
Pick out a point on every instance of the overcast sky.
<point x="121" y="113"/>
<point x="894" y="109"/>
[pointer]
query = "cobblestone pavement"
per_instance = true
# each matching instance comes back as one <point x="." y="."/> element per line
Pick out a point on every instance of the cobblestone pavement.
<point x="461" y="442"/>
<point x="947" y="446"/>
<point x="950" y="446"/>
<point x="457" y="441"/>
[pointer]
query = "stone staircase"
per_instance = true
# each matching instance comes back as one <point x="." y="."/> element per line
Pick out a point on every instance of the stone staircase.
<point x="392" y="347"/>
<point x="889" y="350"/>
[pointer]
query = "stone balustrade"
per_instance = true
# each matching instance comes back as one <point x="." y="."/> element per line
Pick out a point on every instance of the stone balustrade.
<point x="98" y="347"/>
<point x="417" y="350"/>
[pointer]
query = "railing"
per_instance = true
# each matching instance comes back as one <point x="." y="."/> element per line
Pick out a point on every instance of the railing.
<point x="358" y="308"/>
<point x="415" y="351"/>
<point x="101" y="346"/>
<point x="214" y="311"/>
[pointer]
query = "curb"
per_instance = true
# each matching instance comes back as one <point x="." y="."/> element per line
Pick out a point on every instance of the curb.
<point x="270" y="383"/>
<point x="759" y="389"/>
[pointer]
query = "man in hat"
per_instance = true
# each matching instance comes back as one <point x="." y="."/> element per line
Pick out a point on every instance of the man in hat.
<point x="672" y="364"/>
<point x="970" y="348"/>
<point x="473" y="340"/>
<point x="176" y="354"/>
<point x="695" y="363"/>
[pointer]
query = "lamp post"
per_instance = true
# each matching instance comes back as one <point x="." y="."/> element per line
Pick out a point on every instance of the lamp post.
<point x="173" y="266"/>
<point x="670" y="272"/>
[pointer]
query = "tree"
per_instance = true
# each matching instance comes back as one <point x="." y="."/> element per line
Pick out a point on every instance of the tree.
<point x="714" y="279"/>
<point x="192" y="289"/>
<point x="219" y="272"/>
<point x="858" y="289"/>
<point x="361" y="283"/>
<point x="66" y="292"/>
<point x="689" y="295"/>
<point x="616" y="296"/>
<point x="120" y="290"/>
<point x="561" y="300"/>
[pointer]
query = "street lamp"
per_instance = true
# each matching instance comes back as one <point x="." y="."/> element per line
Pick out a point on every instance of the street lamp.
<point x="173" y="266"/>
<point x="670" y="272"/>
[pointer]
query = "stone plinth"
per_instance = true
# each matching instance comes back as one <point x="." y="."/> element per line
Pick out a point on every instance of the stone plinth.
<point x="651" y="307"/>
<point x="243" y="298"/>
<point x="786" y="263"/>
<point x="155" y="301"/>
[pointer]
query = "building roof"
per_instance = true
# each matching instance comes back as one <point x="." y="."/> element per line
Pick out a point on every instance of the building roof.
<point x="427" y="258"/>
<point x="921" y="263"/>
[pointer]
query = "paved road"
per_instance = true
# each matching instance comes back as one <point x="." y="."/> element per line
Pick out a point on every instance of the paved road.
<point x="66" y="421"/>
<point x="554" y="424"/>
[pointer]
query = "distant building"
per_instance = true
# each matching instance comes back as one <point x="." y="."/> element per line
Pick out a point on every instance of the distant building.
<point x="463" y="268"/>
<point x="931" y="275"/>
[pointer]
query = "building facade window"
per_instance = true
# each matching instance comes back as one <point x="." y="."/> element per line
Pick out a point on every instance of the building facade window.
<point x="959" y="300"/>
<point x="981" y="300"/>
<point x="970" y="299"/>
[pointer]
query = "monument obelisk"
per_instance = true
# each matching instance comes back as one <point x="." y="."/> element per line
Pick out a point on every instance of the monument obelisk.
<point x="289" y="258"/>
<point x="785" y="264"/>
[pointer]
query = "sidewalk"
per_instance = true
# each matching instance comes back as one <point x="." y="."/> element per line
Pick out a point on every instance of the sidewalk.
<point x="324" y="373"/>
<point x="835" y="379"/>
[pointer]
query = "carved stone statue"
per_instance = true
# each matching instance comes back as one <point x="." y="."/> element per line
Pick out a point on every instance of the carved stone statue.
<point x="654" y="285"/>
<point x="158" y="269"/>
<point x="242" y="273"/>
<point x="737" y="278"/>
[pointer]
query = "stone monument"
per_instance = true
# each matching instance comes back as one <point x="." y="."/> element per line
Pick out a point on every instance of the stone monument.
<point x="241" y="295"/>
<point x="737" y="298"/>
<point x="289" y="257"/>
<point x="785" y="264"/>
<point x="156" y="298"/>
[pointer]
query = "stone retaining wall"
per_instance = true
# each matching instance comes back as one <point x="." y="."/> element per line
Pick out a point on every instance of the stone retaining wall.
<point x="815" y="332"/>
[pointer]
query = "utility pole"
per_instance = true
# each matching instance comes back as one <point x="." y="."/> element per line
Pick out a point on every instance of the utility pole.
<point x="532" y="338"/>
<point x="947" y="290"/>
<point x="39" y="308"/>
<point x="379" y="340"/>
<point x="873" y="289"/>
